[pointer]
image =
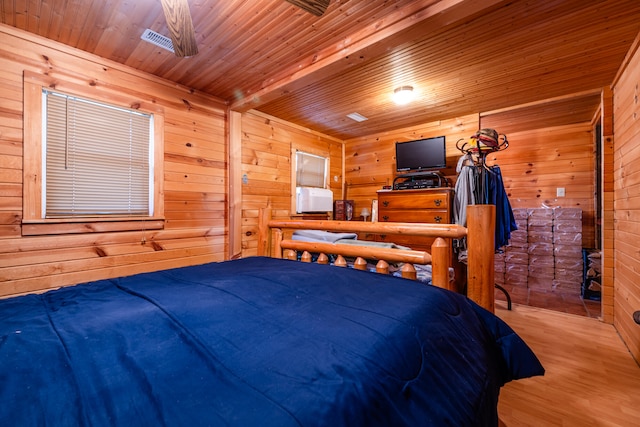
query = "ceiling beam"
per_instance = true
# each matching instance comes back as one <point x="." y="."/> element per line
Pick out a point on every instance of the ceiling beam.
<point x="569" y="96"/>
<point x="395" y="28"/>
<point x="178" y="17"/>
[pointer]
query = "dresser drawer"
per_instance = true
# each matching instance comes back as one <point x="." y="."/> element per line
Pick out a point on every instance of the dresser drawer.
<point x="431" y="216"/>
<point x="429" y="206"/>
<point x="413" y="201"/>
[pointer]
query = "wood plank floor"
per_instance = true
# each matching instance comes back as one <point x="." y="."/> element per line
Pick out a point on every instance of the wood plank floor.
<point x="591" y="378"/>
<point x="564" y="302"/>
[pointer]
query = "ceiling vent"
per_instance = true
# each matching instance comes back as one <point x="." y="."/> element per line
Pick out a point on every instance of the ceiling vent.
<point x="357" y="117"/>
<point x="157" y="39"/>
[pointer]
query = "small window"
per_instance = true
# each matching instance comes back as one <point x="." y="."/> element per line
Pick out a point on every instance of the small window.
<point x="92" y="164"/>
<point x="311" y="170"/>
<point x="97" y="159"/>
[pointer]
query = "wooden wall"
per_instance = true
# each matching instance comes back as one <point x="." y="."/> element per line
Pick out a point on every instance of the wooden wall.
<point x="195" y="181"/>
<point x="539" y="161"/>
<point x="533" y="166"/>
<point x="626" y="153"/>
<point x="267" y="144"/>
<point x="605" y="118"/>
<point x="370" y="160"/>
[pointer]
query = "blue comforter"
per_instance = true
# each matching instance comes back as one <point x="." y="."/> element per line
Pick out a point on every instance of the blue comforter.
<point x="254" y="342"/>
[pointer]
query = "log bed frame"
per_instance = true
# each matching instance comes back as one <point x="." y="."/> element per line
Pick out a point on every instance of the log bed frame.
<point x="274" y="240"/>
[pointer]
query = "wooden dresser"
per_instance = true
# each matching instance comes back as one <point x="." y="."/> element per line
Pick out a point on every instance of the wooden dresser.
<point x="429" y="205"/>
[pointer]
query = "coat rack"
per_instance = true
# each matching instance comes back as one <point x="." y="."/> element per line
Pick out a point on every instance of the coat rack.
<point x="478" y="147"/>
<point x="482" y="143"/>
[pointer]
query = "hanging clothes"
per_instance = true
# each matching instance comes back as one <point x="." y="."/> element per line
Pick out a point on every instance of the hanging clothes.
<point x="479" y="184"/>
<point x="495" y="194"/>
<point x="465" y="194"/>
<point x="465" y="189"/>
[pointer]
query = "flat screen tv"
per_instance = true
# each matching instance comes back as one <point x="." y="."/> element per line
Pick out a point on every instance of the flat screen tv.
<point x="421" y="154"/>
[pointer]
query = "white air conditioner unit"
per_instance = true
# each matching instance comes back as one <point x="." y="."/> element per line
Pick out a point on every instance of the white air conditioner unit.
<point x="310" y="199"/>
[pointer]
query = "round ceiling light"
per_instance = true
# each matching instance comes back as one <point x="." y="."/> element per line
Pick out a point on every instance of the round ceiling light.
<point x="403" y="95"/>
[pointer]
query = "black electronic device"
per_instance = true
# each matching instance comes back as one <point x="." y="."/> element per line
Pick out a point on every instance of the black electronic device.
<point x="417" y="180"/>
<point x="423" y="183"/>
<point x="421" y="154"/>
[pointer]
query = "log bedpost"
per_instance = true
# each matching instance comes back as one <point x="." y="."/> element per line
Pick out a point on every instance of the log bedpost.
<point x="360" y="264"/>
<point x="340" y="261"/>
<point x="382" y="267"/>
<point x="323" y="259"/>
<point x="440" y="264"/>
<point x="276" y="250"/>
<point x="408" y="271"/>
<point x="481" y="220"/>
<point x="264" y="235"/>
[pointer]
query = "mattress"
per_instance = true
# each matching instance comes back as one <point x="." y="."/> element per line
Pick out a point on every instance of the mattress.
<point x="254" y="342"/>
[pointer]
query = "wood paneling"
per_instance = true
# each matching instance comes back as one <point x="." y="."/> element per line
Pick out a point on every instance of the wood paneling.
<point x="195" y="201"/>
<point x="607" y="208"/>
<point x="513" y="54"/>
<point x="532" y="70"/>
<point x="462" y="56"/>
<point x="539" y="161"/>
<point x="370" y="160"/>
<point x="534" y="165"/>
<point x="626" y="201"/>
<point x="267" y="144"/>
<point x="562" y="111"/>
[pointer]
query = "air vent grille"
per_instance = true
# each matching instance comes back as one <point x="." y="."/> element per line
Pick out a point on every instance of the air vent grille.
<point x="157" y="39"/>
<point x="357" y="117"/>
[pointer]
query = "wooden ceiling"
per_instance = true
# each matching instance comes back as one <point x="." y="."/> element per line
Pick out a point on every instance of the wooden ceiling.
<point x="461" y="56"/>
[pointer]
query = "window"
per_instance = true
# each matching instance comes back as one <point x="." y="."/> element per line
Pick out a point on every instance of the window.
<point x="98" y="158"/>
<point x="92" y="162"/>
<point x="311" y="170"/>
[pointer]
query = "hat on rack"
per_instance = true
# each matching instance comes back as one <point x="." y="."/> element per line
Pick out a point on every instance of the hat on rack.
<point x="488" y="137"/>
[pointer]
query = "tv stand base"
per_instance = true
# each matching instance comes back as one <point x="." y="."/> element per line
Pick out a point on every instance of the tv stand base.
<point x="417" y="180"/>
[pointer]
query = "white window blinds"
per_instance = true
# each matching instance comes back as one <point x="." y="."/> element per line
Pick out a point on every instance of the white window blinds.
<point x="97" y="158"/>
<point x="310" y="170"/>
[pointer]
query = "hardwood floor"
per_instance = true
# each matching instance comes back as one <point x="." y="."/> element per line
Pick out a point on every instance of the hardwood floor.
<point x="565" y="302"/>
<point x="591" y="378"/>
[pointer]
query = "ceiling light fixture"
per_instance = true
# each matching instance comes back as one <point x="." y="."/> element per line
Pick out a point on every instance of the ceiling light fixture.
<point x="403" y="95"/>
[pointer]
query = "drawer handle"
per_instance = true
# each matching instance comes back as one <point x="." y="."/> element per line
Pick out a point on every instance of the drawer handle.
<point x="385" y="218"/>
<point x="385" y="203"/>
<point x="437" y="202"/>
<point x="438" y="219"/>
<point x="383" y="236"/>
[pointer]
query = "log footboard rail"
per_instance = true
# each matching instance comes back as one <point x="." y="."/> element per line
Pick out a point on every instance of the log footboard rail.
<point x="362" y="253"/>
<point x="480" y="235"/>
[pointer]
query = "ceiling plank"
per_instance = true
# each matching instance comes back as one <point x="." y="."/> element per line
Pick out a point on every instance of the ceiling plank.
<point x="368" y="43"/>
<point x="461" y="56"/>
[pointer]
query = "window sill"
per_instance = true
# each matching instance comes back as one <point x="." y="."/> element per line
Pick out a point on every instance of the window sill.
<point x="89" y="225"/>
<point x="314" y="216"/>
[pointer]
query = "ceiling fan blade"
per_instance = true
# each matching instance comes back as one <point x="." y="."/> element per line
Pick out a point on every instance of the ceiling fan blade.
<point x="317" y="7"/>
<point x="178" y="18"/>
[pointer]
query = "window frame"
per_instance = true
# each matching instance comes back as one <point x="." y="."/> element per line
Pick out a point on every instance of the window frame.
<point x="325" y="177"/>
<point x="294" y="170"/>
<point x="33" y="220"/>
